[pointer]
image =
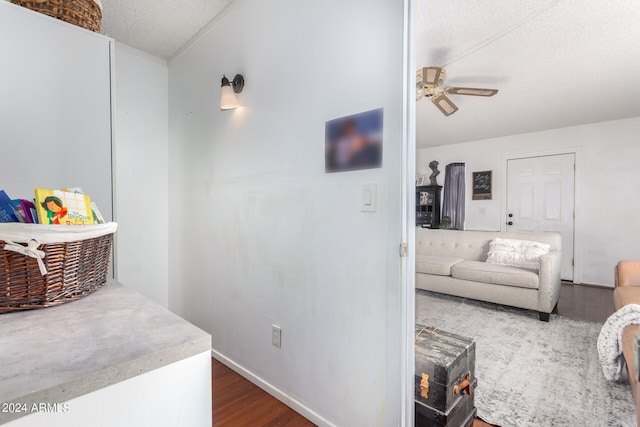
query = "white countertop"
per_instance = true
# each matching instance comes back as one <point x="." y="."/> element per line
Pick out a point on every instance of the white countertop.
<point x="55" y="354"/>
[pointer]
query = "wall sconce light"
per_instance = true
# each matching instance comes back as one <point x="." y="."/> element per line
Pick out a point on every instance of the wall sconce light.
<point x="228" y="90"/>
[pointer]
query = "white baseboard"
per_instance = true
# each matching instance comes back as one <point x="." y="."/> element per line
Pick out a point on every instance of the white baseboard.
<point x="293" y="403"/>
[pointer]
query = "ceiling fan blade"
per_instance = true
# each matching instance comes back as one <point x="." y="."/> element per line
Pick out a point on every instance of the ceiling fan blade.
<point x="471" y="91"/>
<point x="429" y="76"/>
<point x="444" y="104"/>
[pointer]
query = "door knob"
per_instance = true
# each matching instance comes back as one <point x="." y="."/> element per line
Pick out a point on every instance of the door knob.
<point x="510" y="223"/>
<point x="510" y="215"/>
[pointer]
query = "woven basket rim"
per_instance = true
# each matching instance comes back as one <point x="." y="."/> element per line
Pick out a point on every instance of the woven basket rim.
<point x="73" y="270"/>
<point x="45" y="233"/>
<point x="96" y="2"/>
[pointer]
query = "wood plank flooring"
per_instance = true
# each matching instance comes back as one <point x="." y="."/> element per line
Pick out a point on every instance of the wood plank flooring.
<point x="479" y="423"/>
<point x="239" y="403"/>
<point x="585" y="302"/>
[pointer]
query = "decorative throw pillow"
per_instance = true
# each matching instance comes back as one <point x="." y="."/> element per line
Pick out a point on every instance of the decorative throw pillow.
<point x="517" y="253"/>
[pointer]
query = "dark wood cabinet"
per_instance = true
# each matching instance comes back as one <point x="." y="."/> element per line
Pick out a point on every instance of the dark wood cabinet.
<point x="428" y="206"/>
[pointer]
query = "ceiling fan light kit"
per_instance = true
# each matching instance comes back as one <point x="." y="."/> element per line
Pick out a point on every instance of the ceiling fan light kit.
<point x="428" y="85"/>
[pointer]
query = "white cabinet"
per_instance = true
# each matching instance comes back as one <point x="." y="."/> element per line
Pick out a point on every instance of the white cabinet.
<point x="55" y="106"/>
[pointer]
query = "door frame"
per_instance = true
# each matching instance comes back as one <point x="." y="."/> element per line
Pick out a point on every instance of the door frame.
<point x="408" y="217"/>
<point x="577" y="191"/>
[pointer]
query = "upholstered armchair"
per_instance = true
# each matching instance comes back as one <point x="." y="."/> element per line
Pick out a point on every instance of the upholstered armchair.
<point x="628" y="273"/>
<point x="627" y="277"/>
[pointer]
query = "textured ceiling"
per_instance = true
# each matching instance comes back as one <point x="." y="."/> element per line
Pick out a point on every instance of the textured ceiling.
<point x="159" y="27"/>
<point x="557" y="63"/>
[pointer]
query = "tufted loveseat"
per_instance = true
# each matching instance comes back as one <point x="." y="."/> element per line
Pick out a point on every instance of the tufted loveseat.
<point x="453" y="262"/>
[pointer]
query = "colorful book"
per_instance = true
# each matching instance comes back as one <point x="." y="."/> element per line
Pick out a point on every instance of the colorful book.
<point x="97" y="215"/>
<point x="29" y="210"/>
<point x="7" y="209"/>
<point x="17" y="207"/>
<point x="63" y="207"/>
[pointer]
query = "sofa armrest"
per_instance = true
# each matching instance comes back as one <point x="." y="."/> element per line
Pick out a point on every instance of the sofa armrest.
<point x="628" y="273"/>
<point x="549" y="278"/>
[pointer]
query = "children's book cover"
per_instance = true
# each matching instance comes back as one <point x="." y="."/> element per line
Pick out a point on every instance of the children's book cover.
<point x="7" y="209"/>
<point x="17" y="208"/>
<point x="97" y="215"/>
<point x="63" y="207"/>
<point x="29" y="210"/>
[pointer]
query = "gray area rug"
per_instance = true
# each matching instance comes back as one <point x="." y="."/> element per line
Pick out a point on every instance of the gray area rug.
<point x="532" y="373"/>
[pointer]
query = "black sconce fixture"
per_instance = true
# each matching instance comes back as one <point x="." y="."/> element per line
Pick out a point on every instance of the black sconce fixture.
<point x="228" y="90"/>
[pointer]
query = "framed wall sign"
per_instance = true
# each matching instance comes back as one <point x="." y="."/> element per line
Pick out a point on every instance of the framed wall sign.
<point x="482" y="185"/>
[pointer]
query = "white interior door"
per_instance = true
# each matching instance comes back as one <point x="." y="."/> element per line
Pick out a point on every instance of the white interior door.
<point x="540" y="197"/>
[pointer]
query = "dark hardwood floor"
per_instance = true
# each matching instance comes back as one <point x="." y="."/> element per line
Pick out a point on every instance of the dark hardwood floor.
<point x="585" y="302"/>
<point x="239" y="403"/>
<point x="479" y="423"/>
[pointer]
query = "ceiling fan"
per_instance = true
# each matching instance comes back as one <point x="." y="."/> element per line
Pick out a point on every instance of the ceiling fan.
<point x="428" y="84"/>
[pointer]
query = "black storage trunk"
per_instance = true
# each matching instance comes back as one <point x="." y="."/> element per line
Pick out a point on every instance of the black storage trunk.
<point x="461" y="414"/>
<point x="445" y="368"/>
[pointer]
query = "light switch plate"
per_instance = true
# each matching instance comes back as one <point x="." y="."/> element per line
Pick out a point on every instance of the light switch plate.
<point x="276" y="336"/>
<point x="369" y="198"/>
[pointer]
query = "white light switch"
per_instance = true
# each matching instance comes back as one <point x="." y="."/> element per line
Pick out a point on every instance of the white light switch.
<point x="369" y="197"/>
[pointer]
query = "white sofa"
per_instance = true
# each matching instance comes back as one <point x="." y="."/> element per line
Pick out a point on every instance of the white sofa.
<point x="453" y="262"/>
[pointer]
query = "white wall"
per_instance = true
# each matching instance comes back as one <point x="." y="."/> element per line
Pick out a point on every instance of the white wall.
<point x="607" y="187"/>
<point x="55" y="126"/>
<point x="259" y="234"/>
<point x="141" y="171"/>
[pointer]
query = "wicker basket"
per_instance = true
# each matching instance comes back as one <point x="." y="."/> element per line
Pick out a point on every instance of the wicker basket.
<point x="83" y="13"/>
<point x="74" y="258"/>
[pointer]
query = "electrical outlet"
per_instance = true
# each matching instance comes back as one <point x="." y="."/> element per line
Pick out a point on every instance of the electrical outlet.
<point x="276" y="336"/>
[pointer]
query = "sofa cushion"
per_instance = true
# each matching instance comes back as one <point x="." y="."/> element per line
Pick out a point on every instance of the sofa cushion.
<point x="479" y="271"/>
<point x="517" y="253"/>
<point x="438" y="265"/>
<point x="624" y="295"/>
